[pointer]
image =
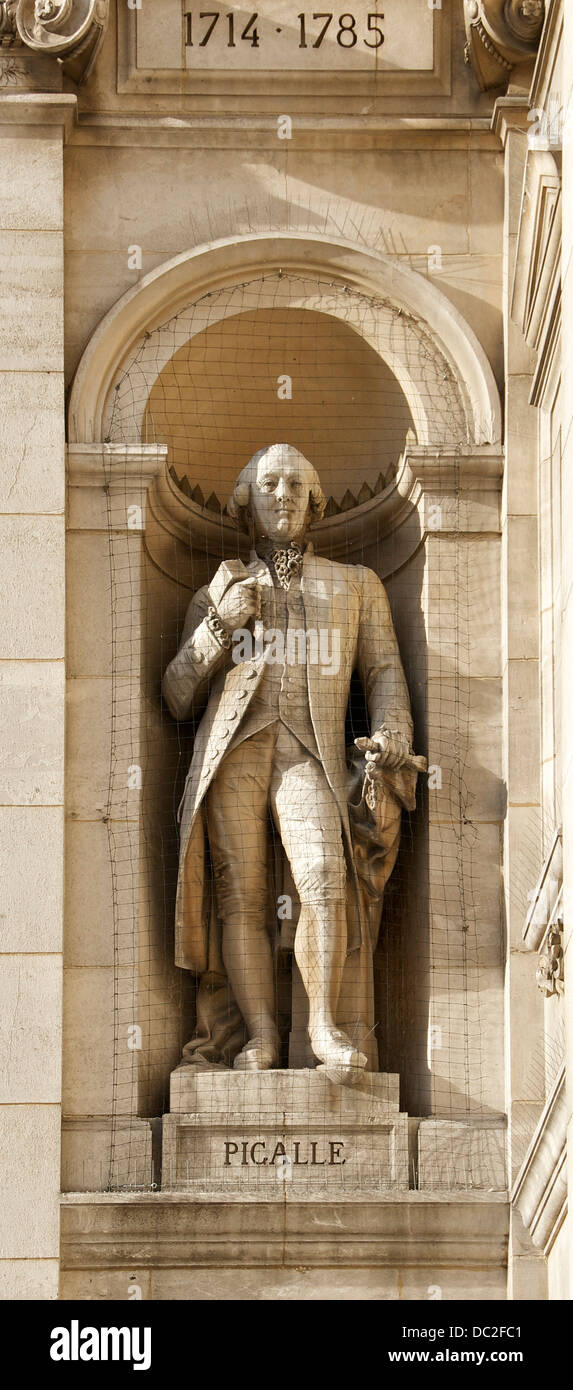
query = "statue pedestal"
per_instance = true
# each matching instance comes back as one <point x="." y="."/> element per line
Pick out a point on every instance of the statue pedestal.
<point x="276" y="1134"/>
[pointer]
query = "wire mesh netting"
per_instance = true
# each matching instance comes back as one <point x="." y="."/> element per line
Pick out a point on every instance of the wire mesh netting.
<point x="360" y="388"/>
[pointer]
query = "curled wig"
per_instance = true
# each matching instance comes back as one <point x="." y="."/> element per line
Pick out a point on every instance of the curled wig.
<point x="238" y="505"/>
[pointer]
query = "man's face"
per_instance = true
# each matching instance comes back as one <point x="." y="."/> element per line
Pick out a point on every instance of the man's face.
<point x="280" y="495"/>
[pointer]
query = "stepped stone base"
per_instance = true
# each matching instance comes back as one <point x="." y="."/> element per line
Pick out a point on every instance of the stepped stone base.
<point x="283" y="1133"/>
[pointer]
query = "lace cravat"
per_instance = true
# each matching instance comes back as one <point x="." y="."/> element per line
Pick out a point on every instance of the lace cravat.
<point x="286" y="562"/>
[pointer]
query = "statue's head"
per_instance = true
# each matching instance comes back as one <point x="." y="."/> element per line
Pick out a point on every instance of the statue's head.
<point x="278" y="495"/>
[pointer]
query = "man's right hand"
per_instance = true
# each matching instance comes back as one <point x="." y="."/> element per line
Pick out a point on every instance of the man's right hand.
<point x="241" y="602"/>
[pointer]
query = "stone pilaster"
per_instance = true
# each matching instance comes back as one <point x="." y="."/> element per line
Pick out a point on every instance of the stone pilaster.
<point x="459" y="513"/>
<point x="107" y="486"/>
<point x="32" y="134"/>
<point x="567" y="573"/>
<point x="521" y="712"/>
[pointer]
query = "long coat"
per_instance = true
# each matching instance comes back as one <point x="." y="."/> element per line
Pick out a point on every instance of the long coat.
<point x="349" y="598"/>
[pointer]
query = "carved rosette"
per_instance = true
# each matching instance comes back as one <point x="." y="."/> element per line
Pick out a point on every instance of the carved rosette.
<point x="501" y="34"/>
<point x="69" y="30"/>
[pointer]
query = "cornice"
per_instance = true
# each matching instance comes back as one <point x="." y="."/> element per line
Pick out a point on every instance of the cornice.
<point x="45" y="109"/>
<point x="114" y="465"/>
<point x="412" y="1229"/>
<point x="510" y="113"/>
<point x="470" y="468"/>
<point x="320" y="131"/>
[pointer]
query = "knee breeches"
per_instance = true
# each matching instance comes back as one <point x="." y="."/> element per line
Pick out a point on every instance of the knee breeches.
<point x="272" y="771"/>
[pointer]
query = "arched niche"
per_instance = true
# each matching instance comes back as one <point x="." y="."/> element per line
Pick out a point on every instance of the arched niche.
<point x="269" y="373"/>
<point x="451" y="465"/>
<point x="206" y="270"/>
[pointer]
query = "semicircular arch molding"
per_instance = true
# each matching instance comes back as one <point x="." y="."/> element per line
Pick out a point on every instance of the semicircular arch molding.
<point x="333" y="276"/>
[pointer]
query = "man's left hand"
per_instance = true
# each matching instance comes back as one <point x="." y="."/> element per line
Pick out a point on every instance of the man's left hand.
<point x="387" y="748"/>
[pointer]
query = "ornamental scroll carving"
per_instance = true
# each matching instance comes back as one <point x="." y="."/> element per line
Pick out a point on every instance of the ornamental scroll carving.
<point x="550" y="974"/>
<point x="71" y="31"/>
<point x="500" y="35"/>
<point x="543" y="930"/>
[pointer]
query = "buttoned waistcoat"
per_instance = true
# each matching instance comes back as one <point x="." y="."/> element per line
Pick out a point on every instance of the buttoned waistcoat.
<point x="347" y="599"/>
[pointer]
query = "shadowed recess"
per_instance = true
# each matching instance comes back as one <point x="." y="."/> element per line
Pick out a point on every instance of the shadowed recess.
<point x="218" y="398"/>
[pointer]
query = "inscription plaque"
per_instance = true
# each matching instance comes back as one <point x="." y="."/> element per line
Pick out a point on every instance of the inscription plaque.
<point x="284" y="36"/>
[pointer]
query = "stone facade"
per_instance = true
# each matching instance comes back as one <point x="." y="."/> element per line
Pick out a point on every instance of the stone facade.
<point x="169" y="231"/>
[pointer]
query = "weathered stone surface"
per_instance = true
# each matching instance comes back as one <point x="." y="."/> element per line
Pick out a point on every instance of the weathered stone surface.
<point x="453" y="1155"/>
<point x="29" y="1280"/>
<point x="31" y="838"/>
<point x="89" y="605"/>
<point x="32" y="546"/>
<point x="255" y="1133"/>
<point x="32" y="184"/>
<point x="89" y="937"/>
<point x="89" y="722"/>
<point x="30" y="1029"/>
<point x="98" y="1152"/>
<point x="30" y="1161"/>
<point x="32" y="678"/>
<point x="523" y="735"/>
<point x="464" y="743"/>
<point x="413" y="1241"/>
<point x="31" y="733"/>
<point x="31" y="301"/>
<point x="89" y="1032"/>
<point x="266" y="1092"/>
<point x="119" y="1285"/>
<point x="558" y="1270"/>
<point x="461" y="590"/>
<point x="33" y="441"/>
<point x="522" y="581"/>
<point x="521" y="479"/>
<point x="311" y="1285"/>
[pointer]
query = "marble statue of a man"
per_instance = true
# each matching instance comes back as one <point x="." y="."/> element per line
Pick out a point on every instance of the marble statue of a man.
<point x="271" y="648"/>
